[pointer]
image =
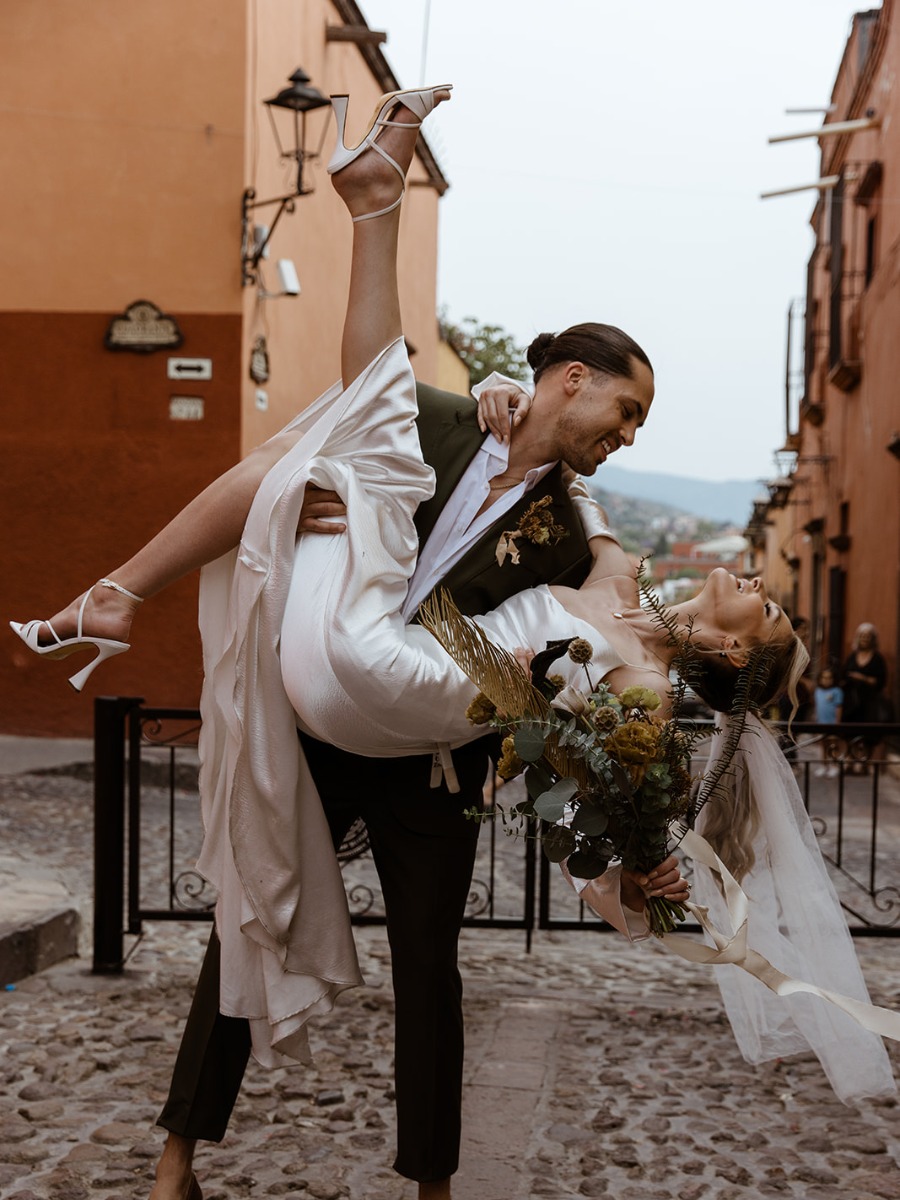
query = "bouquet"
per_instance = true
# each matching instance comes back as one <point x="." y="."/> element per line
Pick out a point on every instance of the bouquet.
<point x="605" y="774"/>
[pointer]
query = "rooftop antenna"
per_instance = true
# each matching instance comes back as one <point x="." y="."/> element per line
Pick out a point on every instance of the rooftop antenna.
<point x="425" y="30"/>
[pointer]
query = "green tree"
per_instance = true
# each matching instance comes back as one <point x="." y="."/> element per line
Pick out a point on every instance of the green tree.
<point x="486" y="348"/>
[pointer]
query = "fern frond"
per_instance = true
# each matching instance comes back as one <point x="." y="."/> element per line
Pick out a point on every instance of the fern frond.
<point x="750" y="682"/>
<point x="687" y="655"/>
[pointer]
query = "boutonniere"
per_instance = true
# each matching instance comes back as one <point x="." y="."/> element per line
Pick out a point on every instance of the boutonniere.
<point x="536" y="525"/>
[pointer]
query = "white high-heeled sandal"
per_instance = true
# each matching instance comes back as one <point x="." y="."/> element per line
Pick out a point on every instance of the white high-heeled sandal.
<point x="420" y="103"/>
<point x="62" y="647"/>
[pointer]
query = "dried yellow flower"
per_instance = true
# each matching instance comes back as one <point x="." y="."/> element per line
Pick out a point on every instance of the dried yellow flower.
<point x="640" y="697"/>
<point x="536" y="525"/>
<point x="510" y="765"/>
<point x="481" y="710"/>
<point x="634" y="743"/>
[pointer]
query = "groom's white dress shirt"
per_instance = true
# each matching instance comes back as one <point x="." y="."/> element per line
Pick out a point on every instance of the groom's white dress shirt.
<point x="459" y="527"/>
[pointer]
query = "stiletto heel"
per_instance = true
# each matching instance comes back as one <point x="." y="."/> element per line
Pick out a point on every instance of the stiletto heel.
<point x="106" y="649"/>
<point x="62" y="647"/>
<point x="420" y="103"/>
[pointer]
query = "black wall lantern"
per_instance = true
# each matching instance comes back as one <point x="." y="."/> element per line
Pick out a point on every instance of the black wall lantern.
<point x="300" y="98"/>
<point x="779" y="491"/>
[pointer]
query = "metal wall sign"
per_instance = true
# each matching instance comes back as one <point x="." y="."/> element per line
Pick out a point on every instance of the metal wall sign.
<point x="189" y="368"/>
<point x="259" y="361"/>
<point x="185" y="408"/>
<point x="143" y="328"/>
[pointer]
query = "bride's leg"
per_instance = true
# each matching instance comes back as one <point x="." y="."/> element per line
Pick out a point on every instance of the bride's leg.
<point x="209" y="526"/>
<point x="369" y="183"/>
<point x="373" y="304"/>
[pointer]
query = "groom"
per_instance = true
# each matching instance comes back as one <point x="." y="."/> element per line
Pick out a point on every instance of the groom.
<point x="422" y="846"/>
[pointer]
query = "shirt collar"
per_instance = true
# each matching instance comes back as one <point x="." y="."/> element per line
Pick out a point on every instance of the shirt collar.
<point x="498" y="461"/>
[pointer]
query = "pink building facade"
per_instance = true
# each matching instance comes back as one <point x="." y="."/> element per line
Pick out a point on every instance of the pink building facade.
<point x="829" y="537"/>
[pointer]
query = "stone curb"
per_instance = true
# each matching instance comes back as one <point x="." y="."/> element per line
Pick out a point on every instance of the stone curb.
<point x="34" y="945"/>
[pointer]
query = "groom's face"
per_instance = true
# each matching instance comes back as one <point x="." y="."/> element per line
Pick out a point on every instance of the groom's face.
<point x="603" y="414"/>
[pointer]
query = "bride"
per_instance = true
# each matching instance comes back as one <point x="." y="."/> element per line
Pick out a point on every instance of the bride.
<point x="308" y="632"/>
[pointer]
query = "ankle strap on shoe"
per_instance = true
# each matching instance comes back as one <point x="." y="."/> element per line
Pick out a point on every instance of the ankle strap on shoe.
<point x="117" y="587"/>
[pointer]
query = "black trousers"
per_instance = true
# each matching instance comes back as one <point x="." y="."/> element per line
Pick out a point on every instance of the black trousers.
<point x="424" y="851"/>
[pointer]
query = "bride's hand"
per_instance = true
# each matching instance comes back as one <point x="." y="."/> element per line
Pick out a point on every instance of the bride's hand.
<point x="495" y="404"/>
<point x="319" y="504"/>
<point x="664" y="880"/>
<point x="523" y="656"/>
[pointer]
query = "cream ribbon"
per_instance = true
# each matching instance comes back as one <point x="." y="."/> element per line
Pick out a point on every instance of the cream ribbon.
<point x="736" y="951"/>
<point x="442" y="768"/>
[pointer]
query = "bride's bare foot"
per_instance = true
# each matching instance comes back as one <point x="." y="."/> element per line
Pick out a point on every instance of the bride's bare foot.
<point x="107" y="614"/>
<point x="369" y="184"/>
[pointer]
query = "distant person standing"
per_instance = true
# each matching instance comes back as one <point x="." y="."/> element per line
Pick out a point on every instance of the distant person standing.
<point x="865" y="676"/>
<point x="829" y="700"/>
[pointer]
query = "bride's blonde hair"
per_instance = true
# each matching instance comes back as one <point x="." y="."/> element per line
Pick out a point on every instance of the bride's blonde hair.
<point x="715" y="678"/>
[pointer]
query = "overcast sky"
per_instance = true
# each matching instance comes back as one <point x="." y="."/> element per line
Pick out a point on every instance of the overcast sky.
<point x="605" y="160"/>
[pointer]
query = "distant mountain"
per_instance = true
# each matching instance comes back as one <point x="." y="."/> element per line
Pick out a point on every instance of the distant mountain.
<point x="729" y="501"/>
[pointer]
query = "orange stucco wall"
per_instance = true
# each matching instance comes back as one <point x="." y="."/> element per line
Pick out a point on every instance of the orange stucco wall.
<point x="102" y="467"/>
<point x="130" y="133"/>
<point x="124" y="125"/>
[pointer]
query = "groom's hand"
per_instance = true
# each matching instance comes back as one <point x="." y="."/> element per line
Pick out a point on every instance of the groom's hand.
<point x="319" y="510"/>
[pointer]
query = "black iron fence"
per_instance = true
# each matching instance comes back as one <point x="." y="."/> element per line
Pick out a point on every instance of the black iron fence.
<point x="148" y="830"/>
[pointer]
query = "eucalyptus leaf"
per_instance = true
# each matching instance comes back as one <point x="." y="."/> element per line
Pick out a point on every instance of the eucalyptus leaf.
<point x="659" y="773"/>
<point x="563" y="789"/>
<point x="587" y="863"/>
<point x="538" y="780"/>
<point x="558" y="843"/>
<point x="549" y="808"/>
<point x="622" y="778"/>
<point x="529" y="743"/>
<point x="590" y="819"/>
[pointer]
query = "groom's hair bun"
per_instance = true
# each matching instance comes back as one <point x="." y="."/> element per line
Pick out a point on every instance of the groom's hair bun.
<point x="537" y="351"/>
<point x="603" y="348"/>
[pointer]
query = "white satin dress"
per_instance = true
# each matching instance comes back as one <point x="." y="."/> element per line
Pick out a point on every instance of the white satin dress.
<point x="308" y="632"/>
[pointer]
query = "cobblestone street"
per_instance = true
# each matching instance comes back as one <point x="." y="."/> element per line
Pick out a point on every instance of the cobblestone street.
<point x="594" y="1069"/>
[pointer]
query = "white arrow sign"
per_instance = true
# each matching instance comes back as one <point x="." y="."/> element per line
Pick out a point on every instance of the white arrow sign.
<point x="189" y="368"/>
